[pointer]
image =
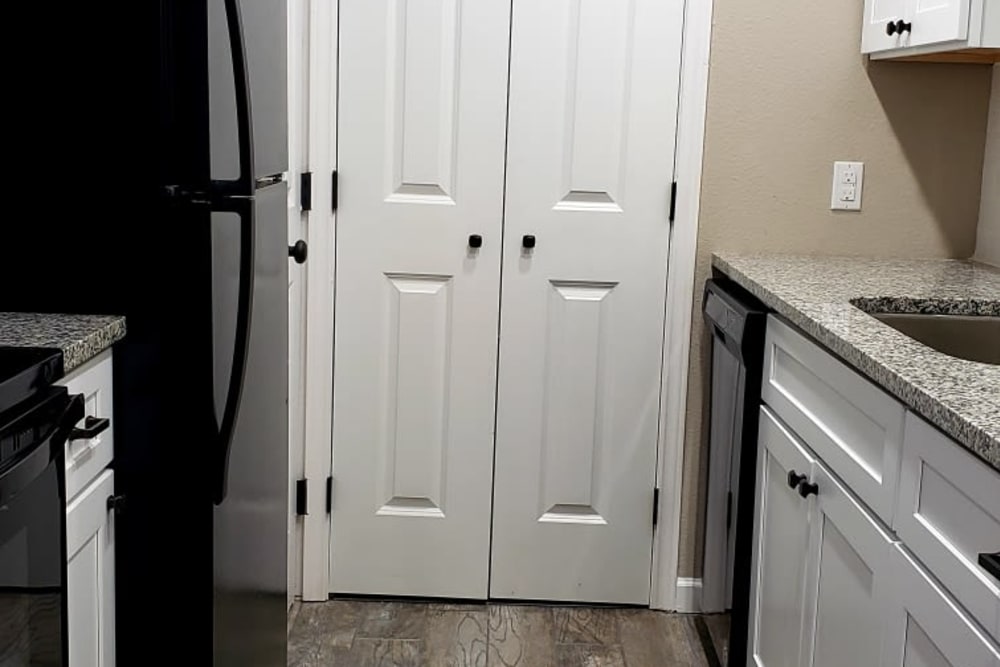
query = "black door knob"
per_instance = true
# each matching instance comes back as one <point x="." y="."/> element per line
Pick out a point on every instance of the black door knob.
<point x="807" y="489"/>
<point x="475" y="241"/>
<point x="299" y="251"/>
<point x="528" y="241"/>
<point x="794" y="479"/>
<point x="890" y="28"/>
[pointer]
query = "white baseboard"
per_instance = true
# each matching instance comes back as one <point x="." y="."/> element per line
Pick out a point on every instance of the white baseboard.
<point x="688" y="599"/>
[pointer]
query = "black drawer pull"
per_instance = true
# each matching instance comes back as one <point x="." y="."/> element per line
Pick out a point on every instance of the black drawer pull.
<point x="794" y="479"/>
<point x="92" y="427"/>
<point x="991" y="563"/>
<point x="807" y="489"/>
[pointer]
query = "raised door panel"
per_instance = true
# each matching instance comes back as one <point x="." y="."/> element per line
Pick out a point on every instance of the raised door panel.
<point x="845" y="618"/>
<point x="90" y="569"/>
<point x="781" y="547"/>
<point x="925" y="626"/>
<point x="877" y="17"/>
<point x="422" y="98"/>
<point x="593" y="97"/>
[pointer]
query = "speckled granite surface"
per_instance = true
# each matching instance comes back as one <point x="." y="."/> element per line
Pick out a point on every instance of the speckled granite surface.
<point x="80" y="337"/>
<point x="960" y="397"/>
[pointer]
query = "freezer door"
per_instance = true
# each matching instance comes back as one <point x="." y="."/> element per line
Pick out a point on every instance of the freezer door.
<point x="264" y="40"/>
<point x="250" y="525"/>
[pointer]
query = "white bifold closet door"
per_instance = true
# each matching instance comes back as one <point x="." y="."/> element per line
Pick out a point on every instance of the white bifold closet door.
<point x="422" y="111"/>
<point x="590" y="153"/>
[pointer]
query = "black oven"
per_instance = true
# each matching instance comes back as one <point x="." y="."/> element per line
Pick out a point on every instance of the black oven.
<point x="32" y="527"/>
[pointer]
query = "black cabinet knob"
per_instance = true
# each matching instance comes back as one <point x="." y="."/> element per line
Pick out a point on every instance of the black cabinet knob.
<point x="900" y="26"/>
<point x="807" y="489"/>
<point x="475" y="241"/>
<point x="528" y="241"/>
<point x="116" y="504"/>
<point x="299" y="251"/>
<point x="794" y="479"/>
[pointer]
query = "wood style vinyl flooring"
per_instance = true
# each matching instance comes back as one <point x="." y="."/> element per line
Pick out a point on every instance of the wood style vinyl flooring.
<point x="373" y="633"/>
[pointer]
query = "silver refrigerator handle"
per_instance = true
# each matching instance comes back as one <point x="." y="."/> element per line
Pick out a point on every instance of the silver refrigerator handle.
<point x="244" y="184"/>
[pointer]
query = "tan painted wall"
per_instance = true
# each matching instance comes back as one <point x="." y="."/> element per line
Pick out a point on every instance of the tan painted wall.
<point x="988" y="240"/>
<point x="789" y="93"/>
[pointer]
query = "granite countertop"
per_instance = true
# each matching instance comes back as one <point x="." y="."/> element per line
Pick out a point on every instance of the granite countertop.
<point x="80" y="337"/>
<point x="960" y="397"/>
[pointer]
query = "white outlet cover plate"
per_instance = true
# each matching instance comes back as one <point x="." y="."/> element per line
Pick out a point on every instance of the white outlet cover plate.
<point x="848" y="180"/>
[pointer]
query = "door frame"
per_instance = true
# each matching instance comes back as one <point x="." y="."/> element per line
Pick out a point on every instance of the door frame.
<point x="321" y="24"/>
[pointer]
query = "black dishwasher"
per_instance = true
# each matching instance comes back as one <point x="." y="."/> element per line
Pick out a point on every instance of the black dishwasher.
<point x="737" y="322"/>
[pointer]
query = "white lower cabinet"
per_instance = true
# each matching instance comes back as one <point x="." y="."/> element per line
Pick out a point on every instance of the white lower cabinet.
<point x="832" y="584"/>
<point x="926" y="627"/>
<point x="819" y="563"/>
<point x="90" y="575"/>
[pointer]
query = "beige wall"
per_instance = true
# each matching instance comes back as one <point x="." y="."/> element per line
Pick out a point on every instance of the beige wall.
<point x="988" y="240"/>
<point x="789" y="93"/>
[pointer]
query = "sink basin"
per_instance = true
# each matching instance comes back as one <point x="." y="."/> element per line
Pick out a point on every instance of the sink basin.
<point x="971" y="337"/>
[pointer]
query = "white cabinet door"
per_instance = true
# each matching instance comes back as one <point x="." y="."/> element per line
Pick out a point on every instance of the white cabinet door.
<point x="90" y="575"/>
<point x="848" y="559"/>
<point x="422" y="102"/>
<point x="936" y="21"/>
<point x="781" y="547"/>
<point x="926" y="628"/>
<point x="878" y="15"/>
<point x="593" y="97"/>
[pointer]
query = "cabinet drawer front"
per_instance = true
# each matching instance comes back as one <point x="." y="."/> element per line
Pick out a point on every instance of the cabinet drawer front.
<point x="949" y="513"/>
<point x="926" y="626"/>
<point x="851" y="424"/>
<point x="85" y="459"/>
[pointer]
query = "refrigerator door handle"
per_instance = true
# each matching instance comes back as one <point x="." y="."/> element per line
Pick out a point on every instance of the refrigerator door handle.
<point x="244" y="185"/>
<point x="244" y="208"/>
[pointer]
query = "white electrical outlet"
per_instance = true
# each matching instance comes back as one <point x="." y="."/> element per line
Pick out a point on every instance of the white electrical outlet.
<point x="848" y="178"/>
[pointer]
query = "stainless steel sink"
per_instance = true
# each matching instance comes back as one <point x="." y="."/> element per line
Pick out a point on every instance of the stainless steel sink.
<point x="971" y="337"/>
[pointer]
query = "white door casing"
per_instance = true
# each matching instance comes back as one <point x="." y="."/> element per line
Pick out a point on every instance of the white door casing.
<point x="423" y="96"/>
<point x="592" y="117"/>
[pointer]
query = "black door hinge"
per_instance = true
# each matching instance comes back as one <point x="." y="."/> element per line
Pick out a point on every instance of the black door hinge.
<point x="301" y="498"/>
<point x="306" y="191"/>
<point x="333" y="191"/>
<point x="729" y="511"/>
<point x="329" y="494"/>
<point x="656" y="505"/>
<point x="673" y="200"/>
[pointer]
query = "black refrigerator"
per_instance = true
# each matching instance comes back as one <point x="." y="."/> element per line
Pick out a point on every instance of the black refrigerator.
<point x="150" y="144"/>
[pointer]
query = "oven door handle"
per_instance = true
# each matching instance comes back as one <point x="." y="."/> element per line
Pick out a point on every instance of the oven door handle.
<point x="51" y="448"/>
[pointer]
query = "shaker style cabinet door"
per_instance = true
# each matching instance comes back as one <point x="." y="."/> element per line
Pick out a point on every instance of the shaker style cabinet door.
<point x="781" y="548"/>
<point x="593" y="102"/>
<point x="848" y="565"/>
<point x="90" y="575"/>
<point x="926" y="627"/>
<point x="422" y="107"/>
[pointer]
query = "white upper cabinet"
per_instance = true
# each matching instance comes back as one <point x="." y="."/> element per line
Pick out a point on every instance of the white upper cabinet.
<point x="952" y="30"/>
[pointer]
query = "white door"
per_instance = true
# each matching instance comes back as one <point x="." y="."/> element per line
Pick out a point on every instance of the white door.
<point x="781" y="539"/>
<point x="926" y="627"/>
<point x="848" y="562"/>
<point x="90" y="575"/>
<point x="936" y="21"/>
<point x="877" y="17"/>
<point x="593" y="101"/>
<point x="423" y="99"/>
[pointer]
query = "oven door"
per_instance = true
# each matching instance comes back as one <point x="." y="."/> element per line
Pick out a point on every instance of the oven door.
<point x="33" y="530"/>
